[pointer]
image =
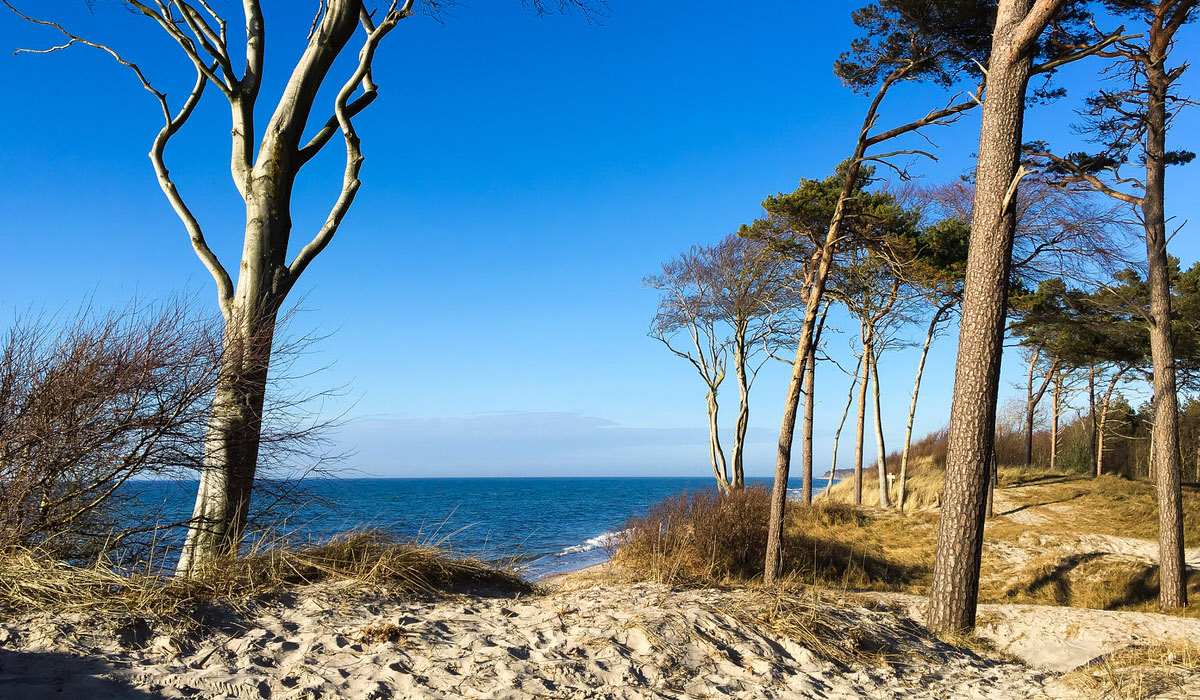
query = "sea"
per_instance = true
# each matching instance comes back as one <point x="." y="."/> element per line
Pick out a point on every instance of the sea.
<point x="542" y="526"/>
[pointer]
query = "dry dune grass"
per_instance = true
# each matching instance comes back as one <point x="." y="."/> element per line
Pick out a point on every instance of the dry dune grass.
<point x="33" y="582"/>
<point x="1138" y="671"/>
<point x="923" y="486"/>
<point x="700" y="539"/>
<point x="1088" y="580"/>
<point x="703" y="539"/>
<point x="1108" y="505"/>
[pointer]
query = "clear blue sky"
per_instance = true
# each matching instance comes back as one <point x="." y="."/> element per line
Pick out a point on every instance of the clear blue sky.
<point x="483" y="298"/>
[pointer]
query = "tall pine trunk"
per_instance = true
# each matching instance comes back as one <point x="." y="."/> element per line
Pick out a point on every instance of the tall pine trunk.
<point x="837" y="434"/>
<point x="1166" y="464"/>
<point x="954" y="593"/>
<point x="1055" y="411"/>
<point x="810" y="376"/>
<point x="1092" y="454"/>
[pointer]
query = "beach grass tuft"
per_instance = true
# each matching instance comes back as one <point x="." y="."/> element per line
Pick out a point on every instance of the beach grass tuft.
<point x="31" y="581"/>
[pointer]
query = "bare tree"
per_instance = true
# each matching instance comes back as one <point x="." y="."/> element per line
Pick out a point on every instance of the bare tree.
<point x="264" y="165"/>
<point x="719" y="304"/>
<point x="1034" y="396"/>
<point x="89" y="405"/>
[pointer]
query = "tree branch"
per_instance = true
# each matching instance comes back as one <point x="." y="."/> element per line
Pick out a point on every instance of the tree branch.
<point x="354" y="157"/>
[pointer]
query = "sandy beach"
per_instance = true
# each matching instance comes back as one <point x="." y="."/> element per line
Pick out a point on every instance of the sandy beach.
<point x="574" y="638"/>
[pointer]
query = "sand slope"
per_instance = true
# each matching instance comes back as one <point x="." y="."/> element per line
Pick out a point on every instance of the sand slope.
<point x="617" y="641"/>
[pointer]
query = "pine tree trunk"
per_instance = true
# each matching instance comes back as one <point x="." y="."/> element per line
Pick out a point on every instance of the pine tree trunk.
<point x="810" y="375"/>
<point x="1030" y="407"/>
<point x="1104" y="406"/>
<point x="1092" y="421"/>
<point x="1055" y="409"/>
<point x="955" y="589"/>
<point x="884" y="500"/>
<point x="1166" y="462"/>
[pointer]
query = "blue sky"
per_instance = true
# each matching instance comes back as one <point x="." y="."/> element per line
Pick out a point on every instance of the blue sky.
<point x="483" y="300"/>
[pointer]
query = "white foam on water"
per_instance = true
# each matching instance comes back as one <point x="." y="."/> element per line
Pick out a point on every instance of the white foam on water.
<point x="607" y="539"/>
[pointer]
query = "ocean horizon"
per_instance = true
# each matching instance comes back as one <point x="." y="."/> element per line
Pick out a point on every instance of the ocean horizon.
<point x="542" y="525"/>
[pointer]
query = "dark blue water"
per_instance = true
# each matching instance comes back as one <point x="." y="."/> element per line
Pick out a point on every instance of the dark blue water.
<point x="547" y="525"/>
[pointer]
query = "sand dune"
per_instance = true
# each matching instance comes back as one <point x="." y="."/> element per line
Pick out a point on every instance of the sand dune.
<point x="594" y="641"/>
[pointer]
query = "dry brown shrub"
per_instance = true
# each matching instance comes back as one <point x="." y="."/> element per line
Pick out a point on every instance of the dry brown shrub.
<point x="703" y="538"/>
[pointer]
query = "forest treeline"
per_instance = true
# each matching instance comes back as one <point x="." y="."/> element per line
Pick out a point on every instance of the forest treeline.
<point x="1032" y="244"/>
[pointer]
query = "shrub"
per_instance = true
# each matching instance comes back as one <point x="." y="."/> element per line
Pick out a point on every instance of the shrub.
<point x="704" y="539"/>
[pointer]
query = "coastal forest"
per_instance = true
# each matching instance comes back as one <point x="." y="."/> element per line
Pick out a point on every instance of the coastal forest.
<point x="1041" y="543"/>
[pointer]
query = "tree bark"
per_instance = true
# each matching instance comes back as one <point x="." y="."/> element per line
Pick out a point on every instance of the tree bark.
<point x="743" y="419"/>
<point x="1032" y="399"/>
<point x="265" y="277"/>
<point x="955" y="589"/>
<point x="231" y="445"/>
<point x="1092" y="421"/>
<point x="820" y="276"/>
<point x="1055" y="410"/>
<point x="715" y="451"/>
<point x="912" y="406"/>
<point x="1104" y="405"/>
<point x="1166" y="463"/>
<point x="993" y="482"/>
<point x="859" y="430"/>
<point x="810" y="375"/>
<point x="884" y="500"/>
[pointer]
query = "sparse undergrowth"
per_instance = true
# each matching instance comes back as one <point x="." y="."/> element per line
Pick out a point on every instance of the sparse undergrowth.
<point x="33" y="582"/>
<point x="701" y="539"/>
<point x="704" y="539"/>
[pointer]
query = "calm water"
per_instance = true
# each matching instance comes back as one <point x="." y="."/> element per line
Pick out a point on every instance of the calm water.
<point x="549" y="525"/>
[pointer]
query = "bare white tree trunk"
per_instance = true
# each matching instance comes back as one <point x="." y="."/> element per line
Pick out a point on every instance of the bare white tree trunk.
<point x="884" y="500"/>
<point x="912" y="406"/>
<point x="715" y="451"/>
<point x="841" y="424"/>
<point x="859" y="430"/>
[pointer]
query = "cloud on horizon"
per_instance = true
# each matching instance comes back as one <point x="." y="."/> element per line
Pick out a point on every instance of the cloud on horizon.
<point x="517" y="443"/>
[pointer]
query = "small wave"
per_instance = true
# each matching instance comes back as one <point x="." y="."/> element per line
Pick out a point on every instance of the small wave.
<point x="607" y="539"/>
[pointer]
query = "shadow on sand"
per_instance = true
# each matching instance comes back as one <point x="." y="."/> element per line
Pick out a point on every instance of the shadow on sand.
<point x="34" y="675"/>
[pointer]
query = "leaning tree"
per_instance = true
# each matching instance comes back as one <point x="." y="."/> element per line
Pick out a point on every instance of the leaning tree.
<point x="904" y="41"/>
<point x="265" y="161"/>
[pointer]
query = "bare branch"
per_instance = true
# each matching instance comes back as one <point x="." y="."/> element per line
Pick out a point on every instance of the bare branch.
<point x="354" y="157"/>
